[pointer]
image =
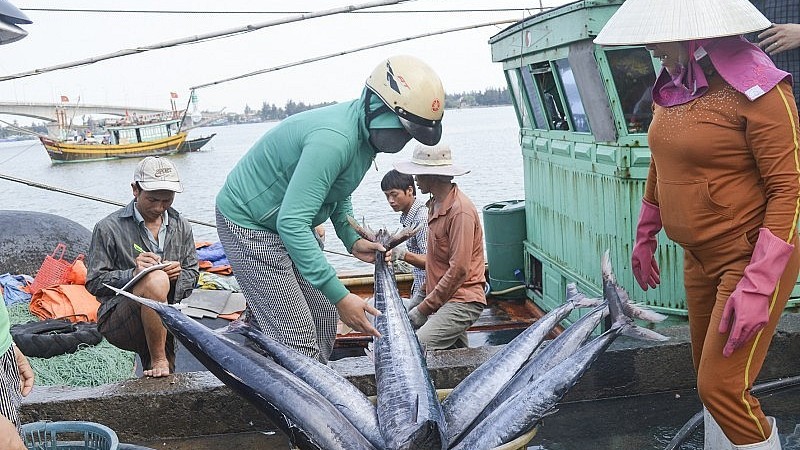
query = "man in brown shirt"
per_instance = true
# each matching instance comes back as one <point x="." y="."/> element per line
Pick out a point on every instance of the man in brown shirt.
<point x="455" y="264"/>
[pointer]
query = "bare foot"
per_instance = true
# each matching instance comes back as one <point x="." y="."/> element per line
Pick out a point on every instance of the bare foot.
<point x="159" y="368"/>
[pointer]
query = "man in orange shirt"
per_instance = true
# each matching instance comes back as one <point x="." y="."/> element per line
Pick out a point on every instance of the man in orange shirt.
<point x="455" y="265"/>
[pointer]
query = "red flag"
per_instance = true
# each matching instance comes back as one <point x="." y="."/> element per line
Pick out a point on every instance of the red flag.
<point x="64" y="99"/>
<point x="173" y="94"/>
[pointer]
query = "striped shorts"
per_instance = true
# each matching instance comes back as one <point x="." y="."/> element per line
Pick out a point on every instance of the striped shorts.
<point x="10" y="395"/>
<point x="283" y="304"/>
<point x="122" y="327"/>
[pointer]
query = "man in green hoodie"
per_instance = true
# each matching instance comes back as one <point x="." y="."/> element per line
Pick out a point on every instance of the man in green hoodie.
<point x="302" y="173"/>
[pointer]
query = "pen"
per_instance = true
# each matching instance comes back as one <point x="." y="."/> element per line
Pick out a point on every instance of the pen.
<point x="138" y="248"/>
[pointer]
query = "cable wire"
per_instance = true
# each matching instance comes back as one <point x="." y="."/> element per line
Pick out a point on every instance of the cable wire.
<point x="182" y="12"/>
<point x="199" y="38"/>
<point x="345" y="52"/>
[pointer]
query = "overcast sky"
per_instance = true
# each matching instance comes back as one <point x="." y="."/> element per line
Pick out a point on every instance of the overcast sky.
<point x="462" y="59"/>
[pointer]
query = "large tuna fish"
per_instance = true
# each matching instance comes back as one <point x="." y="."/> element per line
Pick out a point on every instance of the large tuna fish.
<point x="524" y="409"/>
<point x="473" y="393"/>
<point x="545" y="359"/>
<point x="409" y="412"/>
<point x="351" y="402"/>
<point x="310" y="421"/>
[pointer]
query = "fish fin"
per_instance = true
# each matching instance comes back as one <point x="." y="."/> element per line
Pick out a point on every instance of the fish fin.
<point x="605" y="266"/>
<point x="235" y="326"/>
<point x="370" y="352"/>
<point x="580" y="299"/>
<point x="549" y="413"/>
<point x="635" y="310"/>
<point x="400" y="236"/>
<point x="642" y="312"/>
<point x="424" y="348"/>
<point x="629" y="309"/>
<point x="638" y="332"/>
<point x="362" y="230"/>
<point x="611" y="294"/>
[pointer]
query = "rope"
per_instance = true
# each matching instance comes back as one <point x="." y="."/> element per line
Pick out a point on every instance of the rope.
<point x="200" y="38"/>
<point x="250" y="12"/>
<point x="21" y="130"/>
<point x="79" y="194"/>
<point x="112" y="202"/>
<point x="345" y="52"/>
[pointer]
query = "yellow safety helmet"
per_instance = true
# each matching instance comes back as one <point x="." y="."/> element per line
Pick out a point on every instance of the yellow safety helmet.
<point x="413" y="91"/>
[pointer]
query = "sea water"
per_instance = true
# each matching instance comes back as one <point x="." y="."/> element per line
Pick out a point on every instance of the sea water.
<point x="485" y="140"/>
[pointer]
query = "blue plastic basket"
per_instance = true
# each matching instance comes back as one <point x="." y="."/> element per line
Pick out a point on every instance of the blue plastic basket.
<point x="69" y="435"/>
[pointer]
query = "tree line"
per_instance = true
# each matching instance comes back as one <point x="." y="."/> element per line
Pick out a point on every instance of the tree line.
<point x="488" y="97"/>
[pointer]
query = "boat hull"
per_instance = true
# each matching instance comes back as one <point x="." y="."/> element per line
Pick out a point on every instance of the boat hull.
<point x="501" y="314"/>
<point x="193" y="145"/>
<point x="63" y="151"/>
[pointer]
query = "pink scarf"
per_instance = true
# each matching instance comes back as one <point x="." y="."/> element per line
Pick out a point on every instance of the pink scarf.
<point x="742" y="64"/>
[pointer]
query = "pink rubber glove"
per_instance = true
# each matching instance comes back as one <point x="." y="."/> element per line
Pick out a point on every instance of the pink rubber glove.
<point x="643" y="261"/>
<point x="747" y="309"/>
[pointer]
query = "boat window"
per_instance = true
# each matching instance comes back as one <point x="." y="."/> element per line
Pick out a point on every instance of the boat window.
<point x="633" y="75"/>
<point x="533" y="99"/>
<point x="126" y="136"/>
<point x="516" y="90"/>
<point x="153" y="133"/>
<point x="553" y="106"/>
<point x="579" y="119"/>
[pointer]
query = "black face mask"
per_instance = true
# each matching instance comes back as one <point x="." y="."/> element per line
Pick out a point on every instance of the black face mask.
<point x="389" y="140"/>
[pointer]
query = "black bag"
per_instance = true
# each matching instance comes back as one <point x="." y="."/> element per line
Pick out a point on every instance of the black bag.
<point x="53" y="337"/>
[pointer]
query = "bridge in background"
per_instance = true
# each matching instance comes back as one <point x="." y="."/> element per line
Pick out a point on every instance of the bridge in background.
<point x="55" y="112"/>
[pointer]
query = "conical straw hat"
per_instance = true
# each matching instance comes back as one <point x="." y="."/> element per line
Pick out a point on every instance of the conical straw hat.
<point x="652" y="21"/>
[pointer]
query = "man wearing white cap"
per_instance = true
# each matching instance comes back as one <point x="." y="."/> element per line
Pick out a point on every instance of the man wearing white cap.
<point x="454" y="266"/>
<point x="146" y="232"/>
<point x="724" y="183"/>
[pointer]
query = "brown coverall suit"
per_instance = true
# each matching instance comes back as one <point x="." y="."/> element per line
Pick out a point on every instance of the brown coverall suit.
<point x="723" y="167"/>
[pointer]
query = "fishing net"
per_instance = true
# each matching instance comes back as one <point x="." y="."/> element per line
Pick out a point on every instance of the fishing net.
<point x="91" y="365"/>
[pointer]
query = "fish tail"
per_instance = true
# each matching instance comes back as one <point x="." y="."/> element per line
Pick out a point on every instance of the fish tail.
<point x="642" y="312"/>
<point x="620" y="319"/>
<point x="580" y="299"/>
<point x="605" y="266"/>
<point x="236" y="326"/>
<point x="362" y="230"/>
<point x="400" y="236"/>
<point x="642" y="333"/>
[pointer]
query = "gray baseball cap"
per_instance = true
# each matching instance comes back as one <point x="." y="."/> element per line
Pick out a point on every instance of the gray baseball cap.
<point x="155" y="173"/>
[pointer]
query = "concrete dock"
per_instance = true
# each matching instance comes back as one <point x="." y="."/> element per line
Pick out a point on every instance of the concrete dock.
<point x="197" y="403"/>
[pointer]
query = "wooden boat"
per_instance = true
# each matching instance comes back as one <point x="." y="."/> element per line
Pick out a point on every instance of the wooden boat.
<point x="145" y="136"/>
<point x="502" y="314"/>
<point x="193" y="145"/>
